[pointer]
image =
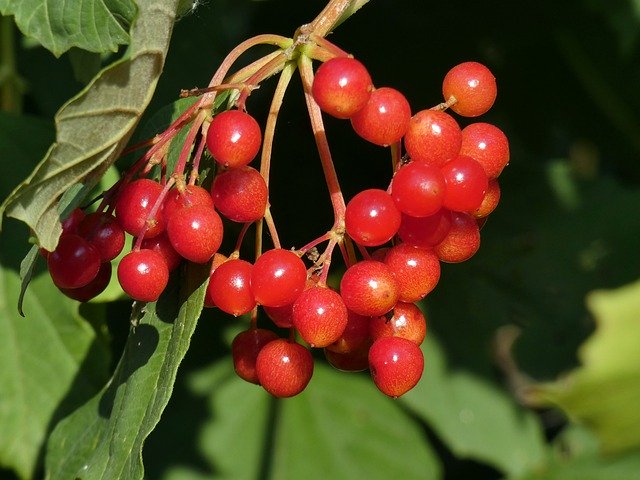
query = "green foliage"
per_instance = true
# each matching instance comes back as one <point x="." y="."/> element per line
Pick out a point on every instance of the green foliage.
<point x="100" y="392"/>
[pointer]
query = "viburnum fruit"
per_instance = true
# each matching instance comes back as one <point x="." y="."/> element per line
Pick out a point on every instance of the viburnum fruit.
<point x="94" y="287"/>
<point x="278" y="277"/>
<point x="133" y="208"/>
<point x="245" y="349"/>
<point x="230" y="289"/>
<point x="473" y="86"/>
<point x="196" y="232"/>
<point x="416" y="270"/>
<point x="462" y="240"/>
<point x="342" y="86"/>
<point x="418" y="189"/>
<point x="355" y="335"/>
<point x="284" y="368"/>
<point x="487" y="145"/>
<point x="240" y="194"/>
<point x="162" y="245"/>
<point x="425" y="231"/>
<point x="143" y="275"/>
<point x="319" y="315"/>
<point x="234" y="138"/>
<point x="432" y="137"/>
<point x="369" y="288"/>
<point x="396" y="365"/>
<point x="466" y="183"/>
<point x="104" y="233"/>
<point x="179" y="198"/>
<point x="384" y="118"/>
<point x="407" y="321"/>
<point x="74" y="262"/>
<point x="371" y="218"/>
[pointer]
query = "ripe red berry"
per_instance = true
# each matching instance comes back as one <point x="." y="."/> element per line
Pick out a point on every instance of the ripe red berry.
<point x="234" y="138"/>
<point x="371" y="218"/>
<point x="134" y="204"/>
<point x="284" y="368"/>
<point x="432" y="137"/>
<point x="418" y="189"/>
<point x="143" y="275"/>
<point x="466" y="184"/>
<point x="396" y="365"/>
<point x="342" y="86"/>
<point x="162" y="245"/>
<point x="425" y="231"/>
<point x="490" y="200"/>
<point x="190" y="195"/>
<point x="244" y="351"/>
<point x="103" y="232"/>
<point x="240" y="194"/>
<point x="486" y="144"/>
<point x="229" y="287"/>
<point x="407" y="321"/>
<point x="473" y="86"/>
<point x="70" y="224"/>
<point x="355" y="335"/>
<point x="369" y="288"/>
<point x="385" y="117"/>
<point x="278" y="277"/>
<point x="352" y="361"/>
<point x="74" y="262"/>
<point x="319" y="315"/>
<point x="196" y="233"/>
<point x="416" y="270"/>
<point x="462" y="240"/>
<point x="218" y="259"/>
<point x="94" y="287"/>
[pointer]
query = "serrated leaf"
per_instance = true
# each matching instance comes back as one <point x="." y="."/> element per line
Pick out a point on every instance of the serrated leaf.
<point x="93" y="127"/>
<point x="104" y="438"/>
<point x="51" y="363"/>
<point x="93" y="25"/>
<point x="604" y="392"/>
<point x="475" y="419"/>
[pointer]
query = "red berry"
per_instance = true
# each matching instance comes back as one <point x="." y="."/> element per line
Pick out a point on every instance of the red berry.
<point x="342" y="86"/>
<point x="196" y="233"/>
<point x="416" y="270"/>
<point x="245" y="349"/>
<point x="466" y="184"/>
<point x="70" y="224"/>
<point x="234" y="138"/>
<point x="352" y="361"/>
<point x="425" y="231"/>
<point x="371" y="218"/>
<point x="190" y="195"/>
<point x="369" y="288"/>
<point x="134" y="204"/>
<point x="432" y="137"/>
<point x="385" y="117"/>
<point x="218" y="259"/>
<point x="490" y="200"/>
<point x="103" y="232"/>
<point x="486" y="144"/>
<point x="284" y="368"/>
<point x="74" y="262"/>
<point x="93" y="288"/>
<point x="319" y="315"/>
<point x="473" y="86"/>
<point x="143" y="275"/>
<point x="418" y="189"/>
<point x="278" y="277"/>
<point x="396" y="365"/>
<point x="240" y="194"/>
<point x="229" y="287"/>
<point x="407" y="322"/>
<point x="462" y="240"/>
<point x="355" y="335"/>
<point x="162" y="245"/>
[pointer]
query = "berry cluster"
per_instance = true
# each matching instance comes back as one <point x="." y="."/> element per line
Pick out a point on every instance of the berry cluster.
<point x="392" y="241"/>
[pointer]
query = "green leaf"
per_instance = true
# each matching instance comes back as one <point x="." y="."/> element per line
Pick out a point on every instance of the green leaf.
<point x="93" y="127"/>
<point x="475" y="419"/>
<point x="93" y="25"/>
<point x="104" y="438"/>
<point x="604" y="392"/>
<point x="51" y="363"/>
<point x="340" y="427"/>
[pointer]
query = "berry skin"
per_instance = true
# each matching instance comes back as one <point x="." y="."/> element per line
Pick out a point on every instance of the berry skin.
<point x="240" y="194"/>
<point x="143" y="275"/>
<point x="190" y="195"/>
<point x="196" y="233"/>
<point x="486" y="144"/>
<point x="466" y="184"/>
<point x="462" y="240"/>
<point x="103" y="232"/>
<point x="162" y="245"/>
<point x="320" y="316"/>
<point x="490" y="200"/>
<point x="407" y="322"/>
<point x="134" y="204"/>
<point x="371" y="218"/>
<point x="352" y="361"/>
<point x="416" y="270"/>
<point x="385" y="117"/>
<point x="355" y="335"/>
<point x="341" y="87"/>
<point x="278" y="277"/>
<point x="473" y="86"/>
<point x="74" y="263"/>
<point x="234" y="138"/>
<point x="244" y="351"/>
<point x="432" y="137"/>
<point x="396" y="365"/>
<point x="70" y="224"/>
<point x="425" y="232"/>
<point x="94" y="287"/>
<point x="369" y="288"/>
<point x="229" y="287"/>
<point x="418" y="189"/>
<point x="284" y="368"/>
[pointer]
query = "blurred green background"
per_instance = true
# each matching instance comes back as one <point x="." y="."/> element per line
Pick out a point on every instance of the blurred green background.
<point x="568" y="223"/>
